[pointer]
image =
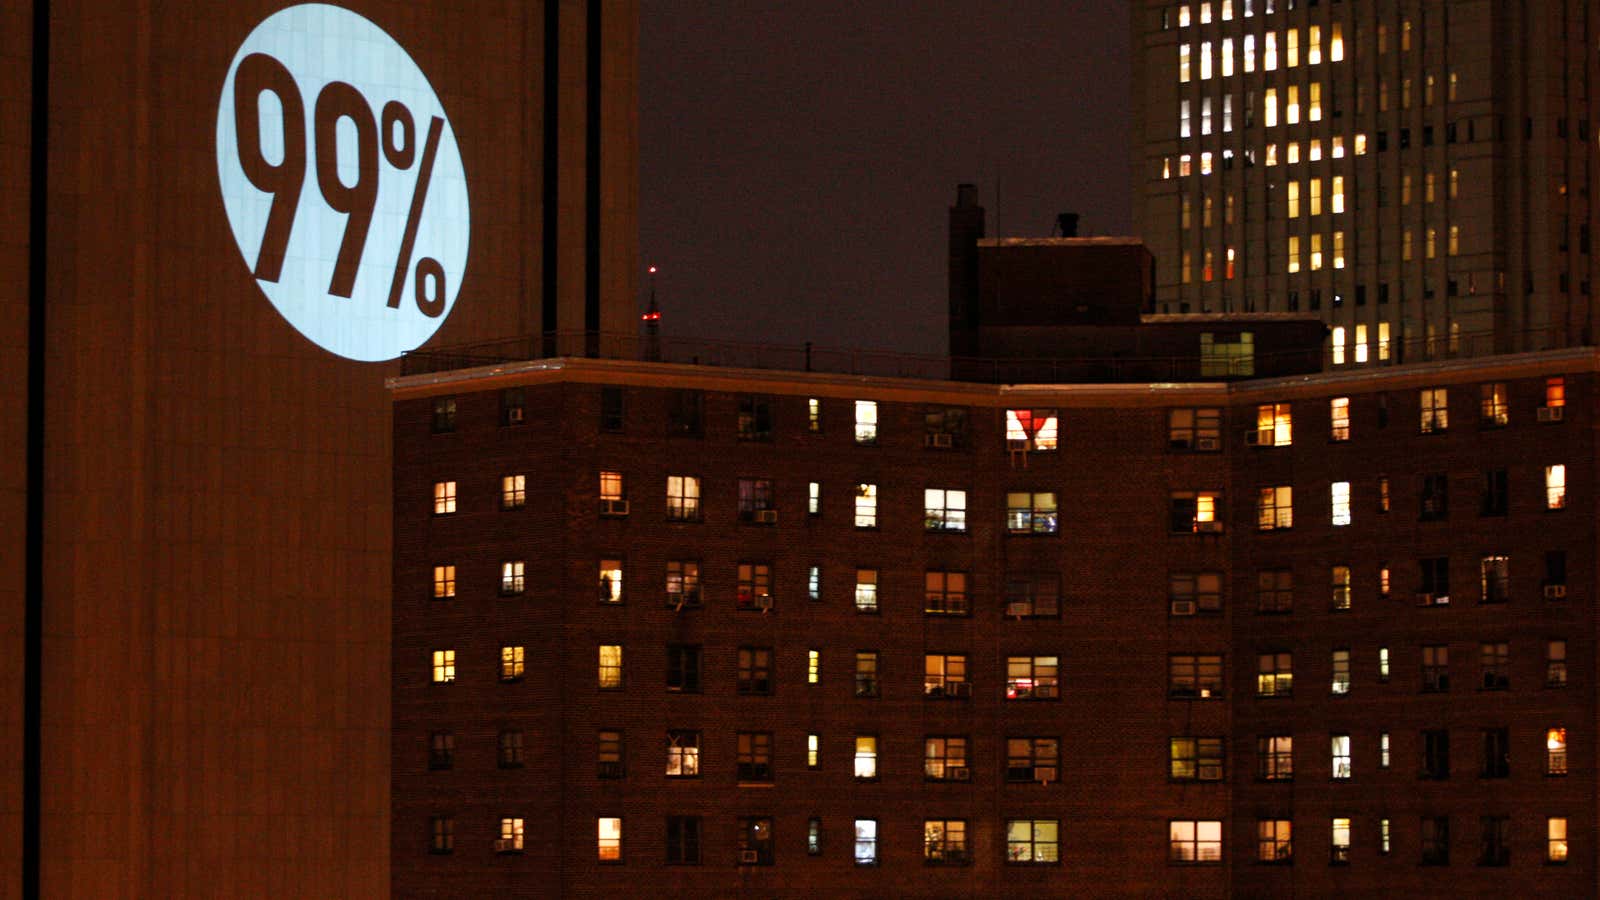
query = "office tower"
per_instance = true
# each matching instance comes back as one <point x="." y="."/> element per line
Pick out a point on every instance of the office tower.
<point x="195" y="449"/>
<point x="709" y="631"/>
<point x="1419" y="173"/>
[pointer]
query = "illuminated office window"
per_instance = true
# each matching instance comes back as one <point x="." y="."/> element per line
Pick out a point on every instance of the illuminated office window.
<point x="1361" y="330"/>
<point x="1205" y="60"/>
<point x="1292" y="193"/>
<point x="1226" y="63"/>
<point x="1336" y="194"/>
<point x="1314" y="101"/>
<point x="1269" y="107"/>
<point x="1341" y="503"/>
<point x="1336" y="43"/>
<point x="1269" y="51"/>
<point x="1314" y="193"/>
<point x="866" y="431"/>
<point x="1291" y="48"/>
<point x="1313" y="45"/>
<point x="1338" y="344"/>
<point x="1294" y="254"/>
<point x="1338" y="249"/>
<point x="1183" y="64"/>
<point x="1184" y="129"/>
<point x="1248" y="51"/>
<point x="1316" y="252"/>
<point x="1291" y="106"/>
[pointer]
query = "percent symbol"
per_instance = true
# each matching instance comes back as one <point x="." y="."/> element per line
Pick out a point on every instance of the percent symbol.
<point x="400" y="155"/>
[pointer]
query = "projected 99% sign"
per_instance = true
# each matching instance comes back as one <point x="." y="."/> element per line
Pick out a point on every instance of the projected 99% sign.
<point x="341" y="193"/>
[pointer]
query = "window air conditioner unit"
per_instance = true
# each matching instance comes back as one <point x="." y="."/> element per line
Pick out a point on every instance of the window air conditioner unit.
<point x="1044" y="775"/>
<point x="1211" y="527"/>
<point x="957" y="773"/>
<point x="1425" y="598"/>
<point x="1256" y="438"/>
<point x="749" y="857"/>
<point x="1551" y="413"/>
<point x="942" y="440"/>
<point x="613" y="507"/>
<point x="762" y="603"/>
<point x="766" y="517"/>
<point x="506" y="845"/>
<point x="958" y="689"/>
<point x="514" y="415"/>
<point x="1183" y="607"/>
<point x="1555" y="592"/>
<point x="1206" y="443"/>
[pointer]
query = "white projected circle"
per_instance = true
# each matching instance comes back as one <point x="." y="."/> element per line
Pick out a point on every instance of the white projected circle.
<point x="343" y="182"/>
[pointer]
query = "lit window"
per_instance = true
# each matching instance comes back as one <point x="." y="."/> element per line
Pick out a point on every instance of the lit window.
<point x="754" y="762"/>
<point x="813" y="750"/>
<point x="1555" y="751"/>
<point x="1183" y="64"/>
<point x="511" y="832"/>
<point x="754" y="588"/>
<point x="610" y="487"/>
<point x="444" y="498"/>
<point x="1274" y="842"/>
<point x="1031" y="429"/>
<point x="1274" y="508"/>
<point x="1555" y="664"/>
<point x="1291" y="105"/>
<point x="1383" y="749"/>
<point x="1341" y="756"/>
<point x="1555" y="830"/>
<point x="683" y="498"/>
<point x="1314" y="108"/>
<point x="513" y="663"/>
<point x="1033" y="841"/>
<point x="1195" y="512"/>
<point x="1384" y="837"/>
<point x="1269" y="105"/>
<point x="512" y="577"/>
<point x="944" y="841"/>
<point x="945" y="593"/>
<point x="866" y="757"/>
<point x="1275" y="675"/>
<point x="1194" y="677"/>
<point x="1361" y="330"/>
<point x="866" y="505"/>
<point x="610" y="670"/>
<point x="444" y="666"/>
<point x="1195" y="758"/>
<point x="1339" y="849"/>
<point x="1269" y="53"/>
<point x="1555" y="487"/>
<point x="813" y="666"/>
<point x="1313" y="45"/>
<point x="1435" y="408"/>
<point x="814" y="836"/>
<point x="944" y="758"/>
<point x="1227" y="57"/>
<point x="866" y="848"/>
<point x="866" y="590"/>
<point x="610" y="581"/>
<point x="1316" y="253"/>
<point x="945" y="675"/>
<point x="1338" y="253"/>
<point x="1275" y="757"/>
<point x="944" y="510"/>
<point x="513" y="491"/>
<point x="609" y="839"/>
<point x="1195" y="842"/>
<point x="1294" y="254"/>
<point x="1495" y="578"/>
<point x="813" y="414"/>
<point x="866" y="678"/>
<point x="1341" y="589"/>
<point x="1205" y="60"/>
<point x="1293" y="194"/>
<point x="444" y="582"/>
<point x="814" y="498"/>
<point x="866" y="421"/>
<point x="814" y="583"/>
<point x="1033" y="678"/>
<point x="1249" y="53"/>
<point x="1336" y="43"/>
<point x="1032" y="759"/>
<point x="1031" y="512"/>
<point x="1339" y="418"/>
<point x="683" y="583"/>
<point x="1341" y="502"/>
<point x="1555" y="399"/>
<point x="1338" y="345"/>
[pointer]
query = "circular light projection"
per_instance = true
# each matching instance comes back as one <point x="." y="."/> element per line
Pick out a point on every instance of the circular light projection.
<point x="343" y="182"/>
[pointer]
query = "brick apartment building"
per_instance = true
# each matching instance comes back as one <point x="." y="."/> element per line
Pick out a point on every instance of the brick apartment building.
<point x="734" y="632"/>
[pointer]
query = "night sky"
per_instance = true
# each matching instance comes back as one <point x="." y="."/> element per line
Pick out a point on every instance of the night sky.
<point x="797" y="158"/>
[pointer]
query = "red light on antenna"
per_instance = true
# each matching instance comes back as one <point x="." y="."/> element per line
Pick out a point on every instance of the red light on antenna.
<point x="652" y="270"/>
<point x="651" y="317"/>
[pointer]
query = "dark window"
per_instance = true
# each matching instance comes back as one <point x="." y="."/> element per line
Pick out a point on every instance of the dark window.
<point x="1435" y="498"/>
<point x="866" y="679"/>
<point x="1436" y="754"/>
<point x="1434" y="589"/>
<point x="945" y="427"/>
<point x="1555" y="568"/>
<point x="513" y="407"/>
<point x="1033" y="596"/>
<point x="755" y="756"/>
<point x="1189" y="593"/>
<point x="755" y="501"/>
<point x="611" y="409"/>
<point x="1194" y="677"/>
<point x="755" y="418"/>
<point x="1033" y="759"/>
<point x="1436" y="668"/>
<point x="608" y="755"/>
<point x="1496" y="848"/>
<point x="441" y="834"/>
<point x="684" y="413"/>
<point x="1199" y="430"/>
<point x="441" y="750"/>
<point x="511" y="749"/>
<point x="683" y="668"/>
<point x="755" y="841"/>
<point x="1435" y="841"/>
<point x="1496" y="493"/>
<point x="1496" y="578"/>
<point x="755" y="670"/>
<point x="683" y="840"/>
<point x="444" y="415"/>
<point x="1275" y="591"/>
<point x="1496" y="753"/>
<point x="945" y="594"/>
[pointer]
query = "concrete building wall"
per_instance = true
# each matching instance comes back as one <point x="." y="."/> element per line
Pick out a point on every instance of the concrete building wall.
<point x="217" y="488"/>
